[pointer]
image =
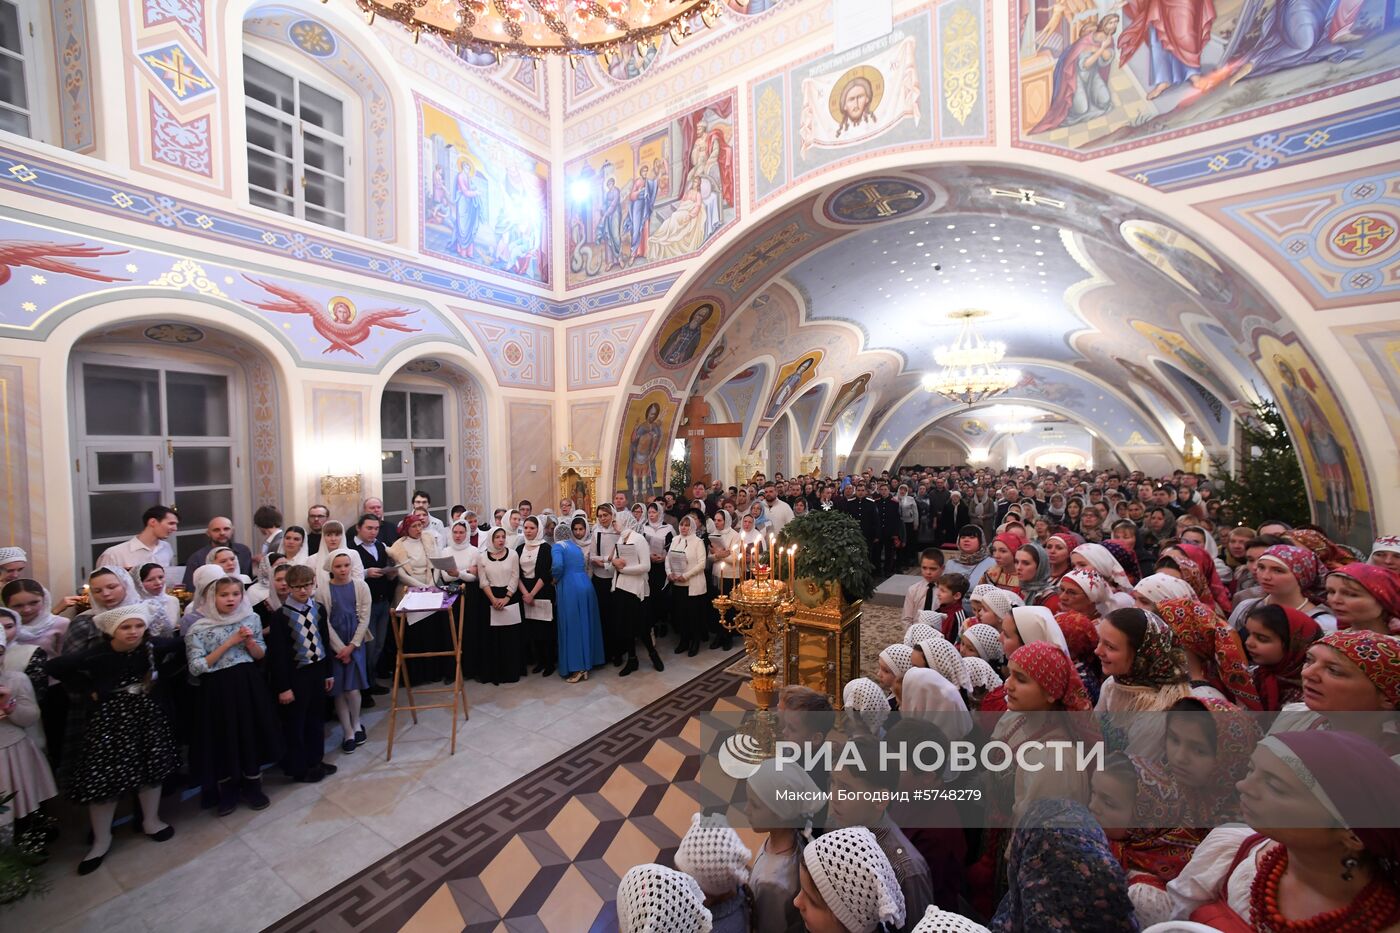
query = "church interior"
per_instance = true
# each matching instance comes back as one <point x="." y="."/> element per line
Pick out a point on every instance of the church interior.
<point x="441" y="248"/>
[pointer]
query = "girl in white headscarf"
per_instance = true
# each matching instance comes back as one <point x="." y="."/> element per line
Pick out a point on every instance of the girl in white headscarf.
<point x="108" y="588"/>
<point x="725" y="550"/>
<point x="685" y="569"/>
<point x="537" y="597"/>
<point x="654" y="899"/>
<point x="37" y="623"/>
<point x="928" y="692"/>
<point x="127" y="745"/>
<point x="332" y="540"/>
<point x="240" y="729"/>
<point x="848" y="884"/>
<point x="164" y="608"/>
<point x="658" y="534"/>
<point x="1099" y="558"/>
<point x="1156" y="588"/>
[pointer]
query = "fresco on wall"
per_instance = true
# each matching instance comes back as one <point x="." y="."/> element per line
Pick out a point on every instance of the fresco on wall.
<point x="1096" y="74"/>
<point x="631" y="60"/>
<point x="791" y="380"/>
<point x="659" y="195"/>
<point x="485" y="200"/>
<point x="47" y="275"/>
<point x="1180" y="258"/>
<point x="646" y="429"/>
<point x="1177" y="347"/>
<point x="1331" y="459"/>
<point x="866" y="98"/>
<point x="688" y="328"/>
<point x="847" y="394"/>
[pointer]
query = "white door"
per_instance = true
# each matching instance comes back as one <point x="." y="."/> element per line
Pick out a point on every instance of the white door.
<point x="413" y="430"/>
<point x="149" y="435"/>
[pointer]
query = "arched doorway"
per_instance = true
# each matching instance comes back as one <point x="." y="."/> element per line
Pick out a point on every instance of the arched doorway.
<point x="432" y="423"/>
<point x="162" y="411"/>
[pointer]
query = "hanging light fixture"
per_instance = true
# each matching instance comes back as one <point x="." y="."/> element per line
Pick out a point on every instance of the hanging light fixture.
<point x="536" y="28"/>
<point x="971" y="373"/>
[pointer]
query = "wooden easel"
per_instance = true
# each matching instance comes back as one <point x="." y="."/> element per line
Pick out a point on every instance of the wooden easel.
<point x="458" y="690"/>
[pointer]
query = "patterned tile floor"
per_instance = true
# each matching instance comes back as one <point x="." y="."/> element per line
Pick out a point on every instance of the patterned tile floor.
<point x="246" y="871"/>
<point x="546" y="852"/>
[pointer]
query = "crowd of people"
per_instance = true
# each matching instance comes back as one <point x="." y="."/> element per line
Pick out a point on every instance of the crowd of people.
<point x="1037" y="593"/>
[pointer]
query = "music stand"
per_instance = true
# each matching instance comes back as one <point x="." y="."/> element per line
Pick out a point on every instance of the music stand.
<point x="454" y="607"/>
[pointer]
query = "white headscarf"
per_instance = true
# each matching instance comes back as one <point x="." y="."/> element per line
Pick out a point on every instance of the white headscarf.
<point x="927" y="691"/>
<point x="332" y="555"/>
<point x="655" y="899"/>
<point x="1094" y="586"/>
<point x="712" y="853"/>
<point x="129" y="597"/>
<point x="866" y="698"/>
<point x="897" y="658"/>
<point x="790" y="792"/>
<point x="981" y="674"/>
<point x="996" y="599"/>
<point x="855" y="879"/>
<point x="1102" y="560"/>
<point x="1036" y="623"/>
<point x="987" y="641"/>
<point x="918" y="632"/>
<point x="1160" y="587"/>
<point x="107" y="622"/>
<point x="942" y="657"/>
<point x="207" y="604"/>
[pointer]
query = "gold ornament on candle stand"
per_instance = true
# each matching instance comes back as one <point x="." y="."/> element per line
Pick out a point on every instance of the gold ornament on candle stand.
<point x="761" y="607"/>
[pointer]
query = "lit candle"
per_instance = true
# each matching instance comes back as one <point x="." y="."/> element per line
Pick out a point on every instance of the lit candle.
<point x="792" y="551"/>
<point x="770" y="549"/>
<point x="721" y="578"/>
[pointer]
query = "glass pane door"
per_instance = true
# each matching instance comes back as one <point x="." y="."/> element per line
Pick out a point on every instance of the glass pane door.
<point x="413" y="426"/>
<point x="151" y="435"/>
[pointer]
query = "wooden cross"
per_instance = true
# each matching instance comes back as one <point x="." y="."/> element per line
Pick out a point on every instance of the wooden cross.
<point x="695" y="428"/>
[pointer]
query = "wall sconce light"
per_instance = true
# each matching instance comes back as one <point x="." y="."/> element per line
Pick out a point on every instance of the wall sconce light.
<point x="340" y="485"/>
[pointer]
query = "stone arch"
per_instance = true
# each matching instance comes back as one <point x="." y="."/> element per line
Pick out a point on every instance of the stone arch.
<point x="127" y="319"/>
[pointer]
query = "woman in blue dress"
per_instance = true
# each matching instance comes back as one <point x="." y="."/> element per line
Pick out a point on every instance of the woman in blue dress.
<point x="575" y="606"/>
<point x="348" y="603"/>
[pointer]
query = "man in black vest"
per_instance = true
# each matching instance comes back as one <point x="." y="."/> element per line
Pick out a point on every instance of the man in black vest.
<point x="890" y="528"/>
<point x="374" y="554"/>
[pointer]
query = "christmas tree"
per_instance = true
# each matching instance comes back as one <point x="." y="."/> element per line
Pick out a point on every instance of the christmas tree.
<point x="1269" y="482"/>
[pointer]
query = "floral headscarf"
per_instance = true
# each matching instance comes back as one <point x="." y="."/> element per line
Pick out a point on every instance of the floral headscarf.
<point x="1158" y="662"/>
<point x="1102" y="560"/>
<point x="1220" y="595"/>
<point x="1063" y="875"/>
<point x="1126" y="559"/>
<point x="1159" y="845"/>
<point x="1211" y="638"/>
<point x="1300" y="562"/>
<point x="1323" y="548"/>
<point x="1048" y="666"/>
<point x="1377" y="655"/>
<point x="1160" y="587"/>
<point x="1195" y="578"/>
<point x="1279" y="683"/>
<point x="1383" y="585"/>
<point x="1094" y="586"/>
<point x="1081" y="634"/>
<point x="1236" y="734"/>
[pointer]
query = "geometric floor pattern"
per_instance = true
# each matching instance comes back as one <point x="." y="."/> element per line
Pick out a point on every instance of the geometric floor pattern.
<point x="545" y="854"/>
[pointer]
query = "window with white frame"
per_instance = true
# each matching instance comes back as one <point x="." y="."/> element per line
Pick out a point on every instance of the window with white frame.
<point x="297" y="160"/>
<point x="18" y="68"/>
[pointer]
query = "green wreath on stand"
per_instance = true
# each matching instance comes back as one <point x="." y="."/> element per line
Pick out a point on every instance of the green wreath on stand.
<point x="21" y="854"/>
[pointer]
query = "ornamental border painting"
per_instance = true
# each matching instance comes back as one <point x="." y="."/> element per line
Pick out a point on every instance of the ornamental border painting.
<point x="1095" y="77"/>
<point x="485" y="200"/>
<point x="655" y="196"/>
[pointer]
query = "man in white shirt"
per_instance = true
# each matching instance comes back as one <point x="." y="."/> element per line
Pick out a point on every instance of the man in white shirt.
<point x="779" y="512"/>
<point x="599" y="552"/>
<point x="631" y="565"/>
<point x="150" y="546"/>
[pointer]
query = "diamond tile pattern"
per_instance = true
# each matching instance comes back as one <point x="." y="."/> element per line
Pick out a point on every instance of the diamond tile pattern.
<point x="545" y="854"/>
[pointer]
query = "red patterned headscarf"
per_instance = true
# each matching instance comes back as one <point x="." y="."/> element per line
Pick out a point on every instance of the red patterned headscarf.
<point x="1221" y="596"/>
<point x="1275" y="681"/>
<point x="1211" y="638"/>
<point x="1377" y="655"/>
<point x="1012" y="540"/>
<point x="1048" y="666"/>
<point x="1081" y="634"/>
<point x="1191" y="572"/>
<point x="1300" y="562"/>
<point x="1158" y="661"/>
<point x="1236" y="735"/>
<point x="1327" y="552"/>
<point x="1156" y="847"/>
<point x="1379" y="582"/>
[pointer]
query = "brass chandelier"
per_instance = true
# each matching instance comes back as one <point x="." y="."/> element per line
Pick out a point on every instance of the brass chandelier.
<point x="971" y="366"/>
<point x="536" y="28"/>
